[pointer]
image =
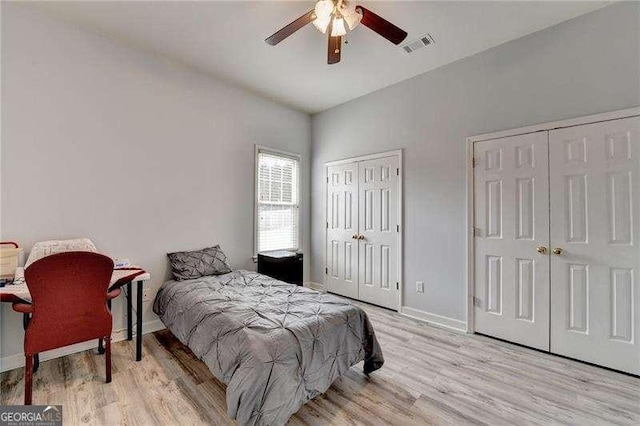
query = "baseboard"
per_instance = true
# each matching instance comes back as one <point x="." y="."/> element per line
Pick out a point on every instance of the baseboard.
<point x="17" y="361"/>
<point x="435" y="319"/>
<point x="314" y="285"/>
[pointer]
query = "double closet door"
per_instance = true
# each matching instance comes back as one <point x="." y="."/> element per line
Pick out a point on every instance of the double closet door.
<point x="362" y="230"/>
<point x="557" y="244"/>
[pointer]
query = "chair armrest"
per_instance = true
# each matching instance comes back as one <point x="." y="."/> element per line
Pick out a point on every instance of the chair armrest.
<point x="25" y="308"/>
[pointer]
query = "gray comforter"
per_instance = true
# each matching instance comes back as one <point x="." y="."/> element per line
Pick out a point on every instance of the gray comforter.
<point x="275" y="345"/>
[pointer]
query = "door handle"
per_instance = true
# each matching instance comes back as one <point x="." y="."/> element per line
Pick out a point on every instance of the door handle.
<point x="557" y="250"/>
<point x="541" y="249"/>
<point x="361" y="237"/>
<point x="354" y="236"/>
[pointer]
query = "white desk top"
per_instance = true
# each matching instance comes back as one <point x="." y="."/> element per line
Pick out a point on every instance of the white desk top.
<point x="19" y="286"/>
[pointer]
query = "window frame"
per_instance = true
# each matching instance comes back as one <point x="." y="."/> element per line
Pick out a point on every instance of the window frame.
<point x="256" y="204"/>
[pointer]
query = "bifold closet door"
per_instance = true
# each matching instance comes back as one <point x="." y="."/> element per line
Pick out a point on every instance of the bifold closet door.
<point x="595" y="240"/>
<point x="511" y="239"/>
<point x="378" y="196"/>
<point x="342" y="229"/>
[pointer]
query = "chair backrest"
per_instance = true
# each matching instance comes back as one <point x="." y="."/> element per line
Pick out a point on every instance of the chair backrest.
<point x="69" y="296"/>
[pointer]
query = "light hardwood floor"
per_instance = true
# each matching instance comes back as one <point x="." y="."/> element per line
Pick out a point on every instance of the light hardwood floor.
<point x="431" y="376"/>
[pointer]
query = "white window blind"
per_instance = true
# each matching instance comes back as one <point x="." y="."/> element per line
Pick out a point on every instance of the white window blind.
<point x="277" y="202"/>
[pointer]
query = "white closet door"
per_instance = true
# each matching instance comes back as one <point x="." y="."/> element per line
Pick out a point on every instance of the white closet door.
<point x="342" y="229"/>
<point x="512" y="223"/>
<point x="378" y="198"/>
<point x="595" y="181"/>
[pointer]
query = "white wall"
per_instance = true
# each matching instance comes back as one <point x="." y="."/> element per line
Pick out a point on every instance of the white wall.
<point x="140" y="154"/>
<point x="587" y="65"/>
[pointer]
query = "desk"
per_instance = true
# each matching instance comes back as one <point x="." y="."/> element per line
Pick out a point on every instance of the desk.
<point x="122" y="277"/>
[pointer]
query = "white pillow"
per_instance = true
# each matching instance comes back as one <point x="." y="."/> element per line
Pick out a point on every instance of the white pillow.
<point x="47" y="248"/>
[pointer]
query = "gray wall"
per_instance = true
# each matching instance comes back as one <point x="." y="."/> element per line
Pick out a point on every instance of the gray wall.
<point x="584" y="66"/>
<point x="140" y="154"/>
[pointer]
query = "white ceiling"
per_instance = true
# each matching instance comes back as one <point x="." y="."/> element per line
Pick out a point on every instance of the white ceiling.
<point x="226" y="39"/>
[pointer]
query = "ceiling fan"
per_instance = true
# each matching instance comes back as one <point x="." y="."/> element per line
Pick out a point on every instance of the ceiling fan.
<point x="333" y="17"/>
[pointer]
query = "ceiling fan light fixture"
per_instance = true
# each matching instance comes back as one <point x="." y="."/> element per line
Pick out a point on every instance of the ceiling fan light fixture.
<point x="324" y="9"/>
<point x="353" y="19"/>
<point x="347" y="7"/>
<point x="338" y="27"/>
<point x="322" y="23"/>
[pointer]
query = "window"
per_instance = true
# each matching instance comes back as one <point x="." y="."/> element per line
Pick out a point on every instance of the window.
<point x="277" y="208"/>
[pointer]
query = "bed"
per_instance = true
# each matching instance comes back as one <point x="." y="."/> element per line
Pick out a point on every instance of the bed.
<point x="275" y="345"/>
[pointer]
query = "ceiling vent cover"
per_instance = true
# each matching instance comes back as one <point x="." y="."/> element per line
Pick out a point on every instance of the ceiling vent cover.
<point x="418" y="44"/>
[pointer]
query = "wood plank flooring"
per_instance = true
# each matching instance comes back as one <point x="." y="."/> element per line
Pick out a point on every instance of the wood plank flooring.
<point x="431" y="376"/>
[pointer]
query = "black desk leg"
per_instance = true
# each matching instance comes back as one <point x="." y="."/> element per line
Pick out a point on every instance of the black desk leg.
<point x="139" y="322"/>
<point x="129" y="319"/>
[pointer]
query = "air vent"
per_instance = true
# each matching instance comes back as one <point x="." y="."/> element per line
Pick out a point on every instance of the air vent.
<point x="418" y="44"/>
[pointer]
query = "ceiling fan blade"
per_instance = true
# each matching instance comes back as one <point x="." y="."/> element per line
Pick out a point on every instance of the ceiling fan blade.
<point x="334" y="46"/>
<point x="291" y="28"/>
<point x="383" y="27"/>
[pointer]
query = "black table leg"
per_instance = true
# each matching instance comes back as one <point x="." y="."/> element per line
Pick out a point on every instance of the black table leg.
<point x="139" y="322"/>
<point x="129" y="319"/>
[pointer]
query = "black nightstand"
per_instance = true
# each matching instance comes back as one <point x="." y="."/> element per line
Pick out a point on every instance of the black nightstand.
<point x="282" y="265"/>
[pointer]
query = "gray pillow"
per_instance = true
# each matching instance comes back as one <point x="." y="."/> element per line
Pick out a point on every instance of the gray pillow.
<point x="186" y="265"/>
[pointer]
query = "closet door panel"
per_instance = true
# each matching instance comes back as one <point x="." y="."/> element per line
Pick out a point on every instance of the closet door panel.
<point x="342" y="227"/>
<point x="595" y="300"/>
<point x="379" y="198"/>
<point x="512" y="220"/>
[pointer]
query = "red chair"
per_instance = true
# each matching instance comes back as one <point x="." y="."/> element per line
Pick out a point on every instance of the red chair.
<point x="26" y="310"/>
<point x="69" y="294"/>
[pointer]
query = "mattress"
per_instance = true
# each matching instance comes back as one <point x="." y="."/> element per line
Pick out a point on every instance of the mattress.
<point x="275" y="345"/>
